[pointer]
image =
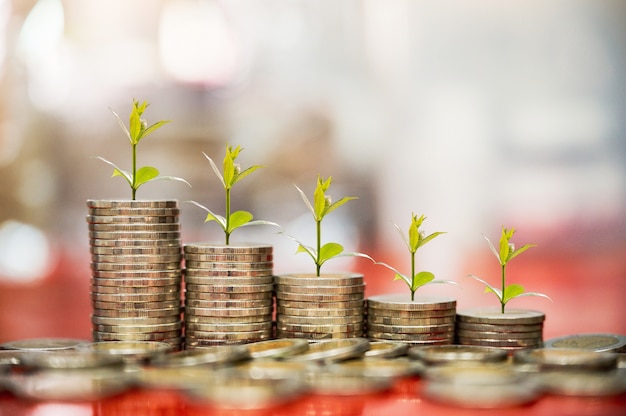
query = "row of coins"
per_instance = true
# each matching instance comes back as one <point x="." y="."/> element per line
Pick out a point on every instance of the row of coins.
<point x="228" y="294"/>
<point x="136" y="272"/>
<point x="320" y="307"/>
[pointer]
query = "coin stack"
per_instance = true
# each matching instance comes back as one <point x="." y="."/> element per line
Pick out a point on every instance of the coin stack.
<point x="425" y="321"/>
<point x="136" y="270"/>
<point x="228" y="294"/>
<point x="320" y="307"/>
<point x="513" y="330"/>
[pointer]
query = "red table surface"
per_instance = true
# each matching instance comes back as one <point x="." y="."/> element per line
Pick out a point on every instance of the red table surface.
<point x="405" y="398"/>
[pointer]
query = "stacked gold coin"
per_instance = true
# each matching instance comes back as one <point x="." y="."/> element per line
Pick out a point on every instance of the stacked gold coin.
<point x="136" y="270"/>
<point x="320" y="307"/>
<point x="425" y="321"/>
<point x="513" y="330"/>
<point x="228" y="294"/>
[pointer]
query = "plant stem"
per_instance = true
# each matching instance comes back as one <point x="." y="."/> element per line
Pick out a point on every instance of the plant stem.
<point x="412" y="275"/>
<point x="134" y="185"/>
<point x="503" y="287"/>
<point x="318" y="225"/>
<point x="227" y="216"/>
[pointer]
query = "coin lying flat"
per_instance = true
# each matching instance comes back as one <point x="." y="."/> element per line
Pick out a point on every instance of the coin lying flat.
<point x="378" y="367"/>
<point x="67" y="359"/>
<point x="277" y="348"/>
<point x="583" y="383"/>
<point x="138" y="242"/>
<point x="327" y="290"/>
<point x="229" y="280"/>
<point x="142" y="212"/>
<point x="217" y="355"/>
<point x="133" y="204"/>
<point x="444" y="354"/>
<point x="570" y="359"/>
<point x="593" y="342"/>
<point x="402" y="302"/>
<point x="319" y="336"/>
<point x="125" y="237"/>
<point x="333" y="350"/>
<point x="236" y="248"/>
<point x="386" y="349"/>
<point x="333" y="383"/>
<point x="330" y="279"/>
<point x="492" y="316"/>
<point x="43" y="344"/>
<point x="230" y="258"/>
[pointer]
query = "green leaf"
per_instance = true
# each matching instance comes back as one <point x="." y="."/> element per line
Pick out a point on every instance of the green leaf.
<point x="339" y="203"/>
<point x="152" y="128"/>
<point x="172" y="178"/>
<point x="512" y="291"/>
<point x="122" y="125"/>
<point x="404" y="237"/>
<point x="306" y="249"/>
<point x="429" y="238"/>
<point x="215" y="169"/>
<point x="261" y="222"/>
<point x="493" y="249"/>
<point x="520" y="251"/>
<point x="320" y="202"/>
<point x="306" y="200"/>
<point x="414" y="235"/>
<point x="217" y="218"/>
<point x="135" y="122"/>
<point x="488" y="287"/>
<point x="421" y="279"/>
<point x="405" y="279"/>
<point x="229" y="165"/>
<point x="328" y="251"/>
<point x="504" y="244"/>
<point x="145" y="174"/>
<point x="245" y="173"/>
<point x="239" y="218"/>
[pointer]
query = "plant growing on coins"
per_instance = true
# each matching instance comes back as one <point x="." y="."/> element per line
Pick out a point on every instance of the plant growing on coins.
<point x="322" y="206"/>
<point x="138" y="129"/>
<point x="232" y="174"/>
<point x="414" y="239"/>
<point x="505" y="253"/>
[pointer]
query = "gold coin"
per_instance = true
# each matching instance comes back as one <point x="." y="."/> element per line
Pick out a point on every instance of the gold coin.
<point x="300" y="297"/>
<point x="135" y="258"/>
<point x="144" y="212"/>
<point x="499" y="335"/>
<point x="96" y="242"/>
<point x="191" y="318"/>
<point x="516" y="343"/>
<point x="227" y="258"/>
<point x="138" y="283"/>
<point x="170" y="304"/>
<point x="424" y="339"/>
<point x="134" y="204"/>
<point x="134" y="290"/>
<point x="328" y="279"/>
<point x="235" y="303"/>
<point x="407" y="315"/>
<point x="229" y="311"/>
<point x="258" y="266"/>
<point x="131" y="236"/>
<point x="495" y="316"/>
<point x="499" y="328"/>
<point x="134" y="228"/>
<point x="318" y="312"/>
<point x="390" y="321"/>
<point x="138" y="313"/>
<point x="103" y="320"/>
<point x="337" y="305"/>
<point x="320" y="320"/>
<point x="225" y="281"/>
<point x="228" y="327"/>
<point x="124" y="298"/>
<point x="134" y="251"/>
<point x="236" y="248"/>
<point x="230" y="288"/>
<point x="412" y="329"/>
<point x="125" y="219"/>
<point x="319" y="328"/>
<point x="227" y="296"/>
<point x="402" y="302"/>
<point x="325" y="290"/>
<point x="138" y="267"/>
<point x="116" y="336"/>
<point x="114" y="275"/>
<point x="229" y="335"/>
<point x="139" y="329"/>
<point x="318" y="336"/>
<point x="214" y="273"/>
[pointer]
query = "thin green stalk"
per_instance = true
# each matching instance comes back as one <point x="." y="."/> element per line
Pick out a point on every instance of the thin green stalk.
<point x="412" y="275"/>
<point x="227" y="215"/>
<point x="503" y="287"/>
<point x="134" y="187"/>
<point x="318" y="225"/>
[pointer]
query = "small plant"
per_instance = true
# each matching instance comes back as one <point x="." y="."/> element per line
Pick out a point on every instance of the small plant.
<point x="505" y="254"/>
<point x="414" y="240"/>
<point x="138" y="129"/>
<point x="322" y="206"/>
<point x="232" y="174"/>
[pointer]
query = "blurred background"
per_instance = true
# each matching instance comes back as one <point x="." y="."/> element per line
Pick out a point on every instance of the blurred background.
<point x="476" y="113"/>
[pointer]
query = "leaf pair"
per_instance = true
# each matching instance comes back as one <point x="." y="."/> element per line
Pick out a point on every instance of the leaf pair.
<point x="416" y="238"/>
<point x="511" y="291"/>
<point x="322" y="203"/>
<point x="507" y="250"/>
<point x="237" y="219"/>
<point x="138" y="128"/>
<point x="232" y="171"/>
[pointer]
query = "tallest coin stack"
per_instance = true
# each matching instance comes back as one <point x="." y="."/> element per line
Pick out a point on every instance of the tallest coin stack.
<point x="136" y="256"/>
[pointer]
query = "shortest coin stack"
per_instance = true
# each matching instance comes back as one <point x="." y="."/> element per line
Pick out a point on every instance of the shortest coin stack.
<point x="320" y="307"/>
<point x="136" y="271"/>
<point x="424" y="321"/>
<point x="513" y="330"/>
<point x="228" y="294"/>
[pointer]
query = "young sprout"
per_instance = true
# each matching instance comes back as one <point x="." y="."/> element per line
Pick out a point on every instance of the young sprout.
<point x="323" y="205"/>
<point x="138" y="129"/>
<point x="415" y="239"/>
<point x="505" y="254"/>
<point x="232" y="174"/>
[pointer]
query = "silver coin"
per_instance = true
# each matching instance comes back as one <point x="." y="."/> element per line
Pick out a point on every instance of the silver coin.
<point x="116" y="336"/>
<point x="218" y="355"/>
<point x="144" y="212"/>
<point x="328" y="279"/>
<point x="565" y="358"/>
<point x="134" y="267"/>
<point x="229" y="288"/>
<point x="583" y="383"/>
<point x="325" y="290"/>
<point x="139" y="329"/>
<point x="593" y="342"/>
<point x="236" y="248"/>
<point x="230" y="335"/>
<point x="167" y="283"/>
<point x="504" y="328"/>
<point x="333" y="350"/>
<point x="402" y="302"/>
<point x="377" y="367"/>
<point x="228" y="327"/>
<point x="494" y="316"/>
<point x="332" y="383"/>
<point x="318" y="312"/>
<point x="386" y="349"/>
<point x="499" y="335"/>
<point x="446" y="354"/>
<point x="414" y="329"/>
<point x="231" y="280"/>
<point x="500" y="343"/>
<point x="131" y="236"/>
<point x="67" y="359"/>
<point x="277" y="348"/>
<point x="42" y="344"/>
<point x="128" y="350"/>
<point x="203" y="319"/>
<point x="126" y="219"/>
<point x="134" y="204"/>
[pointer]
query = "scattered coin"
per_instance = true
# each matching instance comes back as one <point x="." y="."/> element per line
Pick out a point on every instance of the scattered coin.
<point x="593" y="342"/>
<point x="386" y="349"/>
<point x="333" y="350"/>
<point x="568" y="359"/>
<point x="450" y="354"/>
<point x="42" y="344"/>
<point x="277" y="348"/>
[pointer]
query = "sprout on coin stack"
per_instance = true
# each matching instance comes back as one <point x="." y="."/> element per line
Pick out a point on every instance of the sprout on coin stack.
<point x="229" y="287"/>
<point x="136" y="255"/>
<point x="424" y="320"/>
<point x="510" y="329"/>
<point x="321" y="306"/>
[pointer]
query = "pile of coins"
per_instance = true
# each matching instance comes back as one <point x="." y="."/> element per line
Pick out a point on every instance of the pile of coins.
<point x="513" y="330"/>
<point x="424" y="321"/>
<point x="320" y="307"/>
<point x="228" y="294"/>
<point x="136" y="270"/>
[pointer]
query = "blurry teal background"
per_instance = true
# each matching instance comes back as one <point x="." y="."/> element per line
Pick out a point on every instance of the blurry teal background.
<point x="477" y="114"/>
